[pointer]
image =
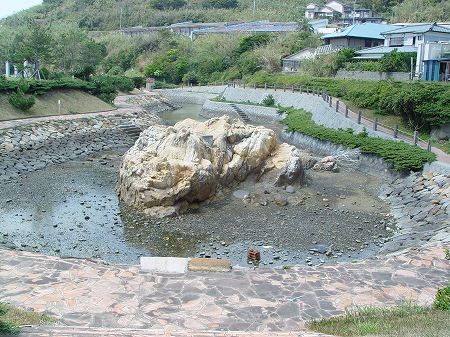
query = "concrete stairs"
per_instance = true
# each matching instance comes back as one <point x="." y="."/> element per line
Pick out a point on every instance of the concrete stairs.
<point x="131" y="129"/>
<point x="241" y="113"/>
<point x="127" y="127"/>
<point x="81" y="331"/>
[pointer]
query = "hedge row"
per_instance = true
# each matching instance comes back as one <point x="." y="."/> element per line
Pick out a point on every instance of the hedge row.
<point x="104" y="87"/>
<point x="404" y="156"/>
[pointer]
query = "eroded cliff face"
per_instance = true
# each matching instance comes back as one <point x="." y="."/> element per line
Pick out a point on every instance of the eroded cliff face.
<point x="170" y="167"/>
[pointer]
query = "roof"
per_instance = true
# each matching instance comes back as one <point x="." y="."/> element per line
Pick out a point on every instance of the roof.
<point x="419" y="29"/>
<point x="365" y="30"/>
<point x="377" y="52"/>
<point x="300" y="55"/>
<point x="255" y="27"/>
<point x="384" y="50"/>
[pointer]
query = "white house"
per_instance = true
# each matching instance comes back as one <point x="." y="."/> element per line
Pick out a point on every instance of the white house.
<point x="410" y="38"/>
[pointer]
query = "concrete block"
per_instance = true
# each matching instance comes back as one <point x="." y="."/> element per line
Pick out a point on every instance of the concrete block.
<point x="164" y="264"/>
<point x="209" y="265"/>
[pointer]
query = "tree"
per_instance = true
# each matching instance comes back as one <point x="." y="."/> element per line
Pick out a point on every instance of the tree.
<point x="220" y="4"/>
<point x="36" y="44"/>
<point x="167" y="4"/>
<point x="250" y="42"/>
<point x="395" y="61"/>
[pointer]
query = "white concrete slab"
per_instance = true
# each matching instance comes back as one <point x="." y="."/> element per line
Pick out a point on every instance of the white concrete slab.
<point x="164" y="264"/>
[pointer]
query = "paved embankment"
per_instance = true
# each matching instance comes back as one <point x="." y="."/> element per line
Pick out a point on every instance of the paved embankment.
<point x="254" y="303"/>
<point x="420" y="204"/>
<point x="32" y="144"/>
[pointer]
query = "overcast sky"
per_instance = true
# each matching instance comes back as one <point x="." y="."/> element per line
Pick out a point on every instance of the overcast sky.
<point x="8" y="7"/>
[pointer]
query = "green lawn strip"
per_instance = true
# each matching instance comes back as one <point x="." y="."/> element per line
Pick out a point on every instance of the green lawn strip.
<point x="404" y="156"/>
<point x="405" y="319"/>
<point x="11" y="318"/>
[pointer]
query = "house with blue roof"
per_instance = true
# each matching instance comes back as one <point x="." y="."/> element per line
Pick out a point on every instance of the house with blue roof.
<point x="358" y="36"/>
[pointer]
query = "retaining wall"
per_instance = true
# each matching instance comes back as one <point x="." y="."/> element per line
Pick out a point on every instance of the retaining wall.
<point x="322" y="113"/>
<point x="373" y="75"/>
<point x="256" y="113"/>
<point x="33" y="146"/>
<point x="194" y="95"/>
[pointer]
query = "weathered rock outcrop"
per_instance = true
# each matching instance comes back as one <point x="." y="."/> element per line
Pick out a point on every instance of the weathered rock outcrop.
<point x="169" y="168"/>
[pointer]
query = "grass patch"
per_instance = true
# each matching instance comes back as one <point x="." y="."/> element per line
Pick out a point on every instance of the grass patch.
<point x="406" y="319"/>
<point x="72" y="102"/>
<point x="11" y="318"/>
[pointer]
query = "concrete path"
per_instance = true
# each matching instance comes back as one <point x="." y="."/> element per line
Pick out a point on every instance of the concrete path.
<point x="87" y="294"/>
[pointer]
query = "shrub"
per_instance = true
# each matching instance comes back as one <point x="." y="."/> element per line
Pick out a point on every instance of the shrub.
<point x="404" y="156"/>
<point x="19" y="100"/>
<point x="442" y="299"/>
<point x="7" y="328"/>
<point x="268" y="100"/>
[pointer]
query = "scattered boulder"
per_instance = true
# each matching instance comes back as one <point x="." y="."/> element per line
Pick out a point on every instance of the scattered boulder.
<point x="328" y="163"/>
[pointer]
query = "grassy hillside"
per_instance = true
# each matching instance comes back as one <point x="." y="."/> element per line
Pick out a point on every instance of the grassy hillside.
<point x="91" y="14"/>
<point x="72" y="101"/>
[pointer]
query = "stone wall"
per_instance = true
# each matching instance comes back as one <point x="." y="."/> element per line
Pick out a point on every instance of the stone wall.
<point x="33" y="146"/>
<point x="322" y="113"/>
<point x="420" y="204"/>
<point x="443" y="132"/>
<point x="372" y="75"/>
<point x="193" y="95"/>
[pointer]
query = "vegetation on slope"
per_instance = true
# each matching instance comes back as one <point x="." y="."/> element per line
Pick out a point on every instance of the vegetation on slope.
<point x="404" y="156"/>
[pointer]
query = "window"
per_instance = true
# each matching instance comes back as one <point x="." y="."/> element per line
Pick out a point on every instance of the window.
<point x="396" y="41"/>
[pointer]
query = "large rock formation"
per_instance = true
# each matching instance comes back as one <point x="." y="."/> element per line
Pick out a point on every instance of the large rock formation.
<point x="170" y="167"/>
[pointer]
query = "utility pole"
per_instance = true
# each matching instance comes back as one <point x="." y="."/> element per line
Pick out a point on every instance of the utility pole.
<point x="354" y="11"/>
<point x="120" y="19"/>
<point x="254" y="8"/>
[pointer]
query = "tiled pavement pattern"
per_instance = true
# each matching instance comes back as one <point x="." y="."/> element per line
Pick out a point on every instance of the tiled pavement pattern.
<point x="104" y="332"/>
<point x="85" y="293"/>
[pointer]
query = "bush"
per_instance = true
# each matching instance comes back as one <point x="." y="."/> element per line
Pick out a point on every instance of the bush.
<point x="19" y="100"/>
<point x="442" y="298"/>
<point x="404" y="156"/>
<point x="268" y="100"/>
<point x="422" y="104"/>
<point x="7" y="328"/>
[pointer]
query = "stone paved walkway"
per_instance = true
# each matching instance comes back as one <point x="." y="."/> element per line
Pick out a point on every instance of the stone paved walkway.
<point x="85" y="293"/>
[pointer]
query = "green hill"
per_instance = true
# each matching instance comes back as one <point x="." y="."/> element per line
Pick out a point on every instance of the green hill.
<point x="107" y="15"/>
